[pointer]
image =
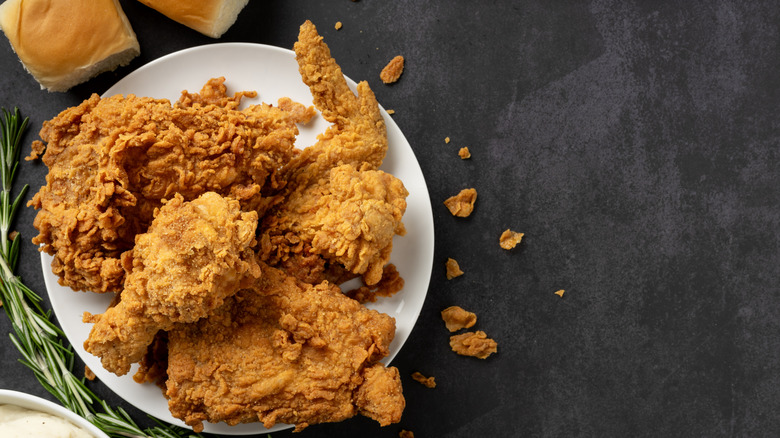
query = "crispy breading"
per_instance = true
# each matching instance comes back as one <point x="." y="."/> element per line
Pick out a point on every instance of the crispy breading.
<point x="509" y="239"/>
<point x="462" y="204"/>
<point x="393" y="70"/>
<point x="336" y="203"/>
<point x="475" y="344"/>
<point x="453" y="269"/>
<point x="456" y="318"/>
<point x="428" y="382"/>
<point x="284" y="351"/>
<point x="113" y="160"/>
<point x="194" y="255"/>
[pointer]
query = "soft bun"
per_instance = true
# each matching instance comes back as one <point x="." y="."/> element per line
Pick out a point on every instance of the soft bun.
<point x="65" y="43"/>
<point x="209" y="17"/>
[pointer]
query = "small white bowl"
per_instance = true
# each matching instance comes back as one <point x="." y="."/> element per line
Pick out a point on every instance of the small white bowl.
<point x="8" y="397"/>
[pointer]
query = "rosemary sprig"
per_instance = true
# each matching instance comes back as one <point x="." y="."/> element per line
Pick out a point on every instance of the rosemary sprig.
<point x="40" y="341"/>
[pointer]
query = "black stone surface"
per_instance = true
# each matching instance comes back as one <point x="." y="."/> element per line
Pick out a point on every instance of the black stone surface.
<point x="636" y="145"/>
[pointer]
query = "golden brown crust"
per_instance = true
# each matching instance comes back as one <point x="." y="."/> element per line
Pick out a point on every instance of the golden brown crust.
<point x="475" y="344"/>
<point x="283" y="352"/>
<point x="456" y="318"/>
<point x="462" y="204"/>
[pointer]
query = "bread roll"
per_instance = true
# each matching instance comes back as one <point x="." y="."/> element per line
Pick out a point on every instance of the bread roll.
<point x="209" y="17"/>
<point x="64" y="43"/>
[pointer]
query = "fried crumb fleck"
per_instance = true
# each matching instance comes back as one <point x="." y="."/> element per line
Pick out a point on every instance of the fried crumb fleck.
<point x="392" y="71"/>
<point x="389" y="285"/>
<point x="38" y="148"/>
<point x="338" y="25"/>
<point x="446" y="140"/>
<point x="391" y="112"/>
<point x="509" y="239"/>
<point x="462" y="204"/>
<point x="453" y="269"/>
<point x="456" y="318"/>
<point x="88" y="373"/>
<point x="428" y="382"/>
<point x="404" y="433"/>
<point x="560" y="293"/>
<point x="464" y="153"/>
<point x="475" y="344"/>
<point x="12" y="235"/>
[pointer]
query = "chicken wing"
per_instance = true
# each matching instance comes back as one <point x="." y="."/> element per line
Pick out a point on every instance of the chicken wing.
<point x="194" y="256"/>
<point x="336" y="203"/>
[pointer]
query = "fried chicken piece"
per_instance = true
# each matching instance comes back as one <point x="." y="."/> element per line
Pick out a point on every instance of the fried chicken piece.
<point x="337" y="204"/>
<point x="284" y="351"/>
<point x="113" y="160"/>
<point x="349" y="219"/>
<point x="194" y="256"/>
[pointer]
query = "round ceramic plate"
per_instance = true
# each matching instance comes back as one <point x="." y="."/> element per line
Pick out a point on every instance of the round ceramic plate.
<point x="273" y="73"/>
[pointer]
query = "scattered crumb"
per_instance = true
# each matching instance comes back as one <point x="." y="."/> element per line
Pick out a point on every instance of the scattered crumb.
<point x="38" y="148"/>
<point x="12" y="235"/>
<point x="475" y="344"/>
<point x="338" y="25"/>
<point x="462" y="204"/>
<point x="390" y="283"/>
<point x="453" y="270"/>
<point x="88" y="373"/>
<point x="464" y="153"/>
<point x="560" y="293"/>
<point x="456" y="318"/>
<point x="391" y="112"/>
<point x="403" y="433"/>
<point x="392" y="70"/>
<point x="509" y="239"/>
<point x="447" y="140"/>
<point x="428" y="382"/>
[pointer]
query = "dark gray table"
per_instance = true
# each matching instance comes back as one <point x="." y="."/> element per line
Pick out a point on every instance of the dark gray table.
<point x="636" y="145"/>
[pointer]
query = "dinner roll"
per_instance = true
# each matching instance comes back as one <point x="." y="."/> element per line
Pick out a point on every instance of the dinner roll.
<point x="209" y="17"/>
<point x="65" y="43"/>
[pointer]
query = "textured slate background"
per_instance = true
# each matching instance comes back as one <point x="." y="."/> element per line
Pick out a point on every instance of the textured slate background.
<point x="635" y="143"/>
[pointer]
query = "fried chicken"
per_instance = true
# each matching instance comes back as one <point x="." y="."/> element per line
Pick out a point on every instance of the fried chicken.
<point x="194" y="256"/>
<point x="113" y="160"/>
<point x="336" y="203"/>
<point x="284" y="351"/>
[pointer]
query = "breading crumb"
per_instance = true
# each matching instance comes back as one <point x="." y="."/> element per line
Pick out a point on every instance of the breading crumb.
<point x="428" y="382"/>
<point x="88" y="373"/>
<point x="462" y="204"/>
<point x="475" y="344"/>
<point x="389" y="285"/>
<point x="456" y="318"/>
<point x="509" y="239"/>
<point x="464" y="153"/>
<point x="391" y="112"/>
<point x="446" y="140"/>
<point x="392" y="71"/>
<point x="404" y="433"/>
<point x="453" y="269"/>
<point x="338" y="25"/>
<point x="37" y="149"/>
<point x="560" y="293"/>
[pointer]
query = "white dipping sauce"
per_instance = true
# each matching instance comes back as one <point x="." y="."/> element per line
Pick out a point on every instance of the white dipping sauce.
<point x="18" y="422"/>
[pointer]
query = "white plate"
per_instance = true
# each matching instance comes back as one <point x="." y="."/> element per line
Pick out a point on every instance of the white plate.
<point x="27" y="401"/>
<point x="273" y="73"/>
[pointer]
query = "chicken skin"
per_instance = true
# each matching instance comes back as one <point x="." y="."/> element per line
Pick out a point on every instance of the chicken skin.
<point x="194" y="256"/>
<point x="284" y="351"/>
